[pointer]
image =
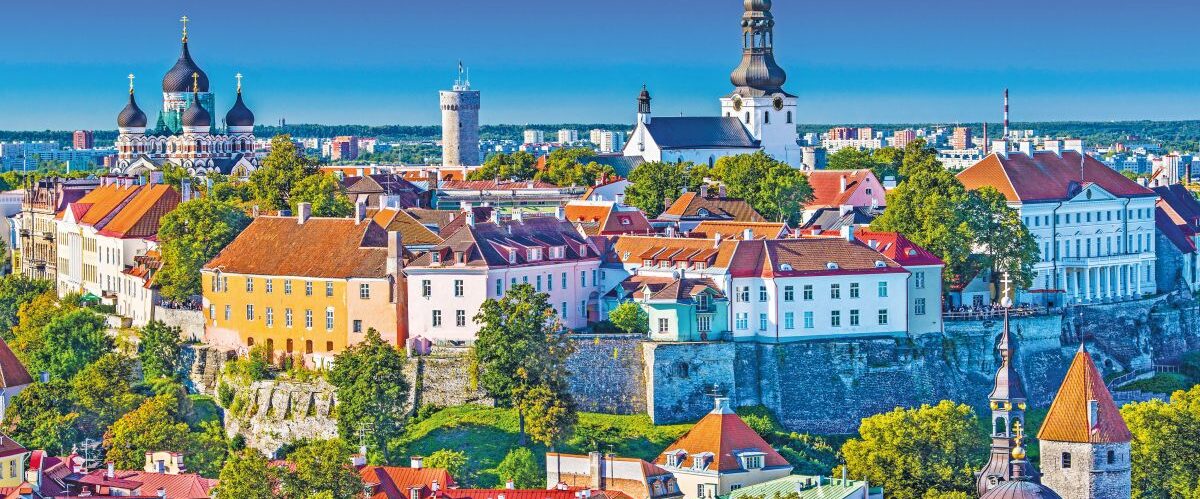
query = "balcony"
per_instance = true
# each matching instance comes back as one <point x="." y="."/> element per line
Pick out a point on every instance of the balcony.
<point x="24" y="232"/>
<point x="48" y="235"/>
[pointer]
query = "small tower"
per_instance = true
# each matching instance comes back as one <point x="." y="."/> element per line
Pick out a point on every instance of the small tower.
<point x="1084" y="439"/>
<point x="1007" y="402"/>
<point x="1020" y="484"/>
<point x="643" y="114"/>
<point x="460" y="122"/>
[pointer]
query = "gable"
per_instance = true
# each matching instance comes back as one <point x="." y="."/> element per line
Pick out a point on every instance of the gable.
<point x="1092" y="192"/>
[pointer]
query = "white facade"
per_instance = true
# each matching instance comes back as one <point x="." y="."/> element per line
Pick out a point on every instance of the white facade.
<point x="534" y="136"/>
<point x="89" y="262"/>
<point x="772" y="121"/>
<point x="794" y="308"/>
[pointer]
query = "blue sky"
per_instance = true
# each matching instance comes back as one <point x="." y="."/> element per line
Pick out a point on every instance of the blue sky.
<point x="63" y="63"/>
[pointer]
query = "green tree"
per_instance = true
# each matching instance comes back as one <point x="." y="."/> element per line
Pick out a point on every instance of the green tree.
<point x="630" y="318"/>
<point x="189" y="237"/>
<point x="159" y="349"/>
<point x="851" y="158"/>
<point x="548" y="416"/>
<point x="325" y="193"/>
<point x="518" y="166"/>
<point x="518" y="348"/>
<point x="453" y="461"/>
<point x="522" y="468"/>
<point x="371" y="390"/>
<point x="565" y="168"/>
<point x="208" y="449"/>
<point x="1164" y="454"/>
<point x="103" y="393"/>
<point x="654" y="184"/>
<point x="246" y="475"/>
<point x="912" y="451"/>
<point x="1000" y="234"/>
<point x="153" y="426"/>
<point x="282" y="168"/>
<point x="68" y="342"/>
<point x="16" y="290"/>
<point x="775" y="190"/>
<point x="42" y="416"/>
<point x="322" y="466"/>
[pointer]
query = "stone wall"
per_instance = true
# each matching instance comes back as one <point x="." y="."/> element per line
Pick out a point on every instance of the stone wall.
<point x="203" y="367"/>
<point x="190" y="322"/>
<point x="444" y="379"/>
<point x="272" y="413"/>
<point x="608" y="375"/>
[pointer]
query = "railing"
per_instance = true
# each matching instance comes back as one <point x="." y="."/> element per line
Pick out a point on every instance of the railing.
<point x="1124" y="379"/>
<point x="986" y="313"/>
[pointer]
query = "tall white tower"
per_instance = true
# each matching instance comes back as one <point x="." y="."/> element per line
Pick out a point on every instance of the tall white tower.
<point x="758" y="99"/>
<point x="460" y="122"/>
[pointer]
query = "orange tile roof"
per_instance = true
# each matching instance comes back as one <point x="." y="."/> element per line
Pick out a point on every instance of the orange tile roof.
<point x="101" y="202"/>
<point x="690" y="204"/>
<point x="1068" y="418"/>
<point x="320" y="247"/>
<point x="630" y="249"/>
<point x="606" y="218"/>
<point x="808" y="256"/>
<point x="897" y="247"/>
<point x="723" y="434"/>
<point x="395" y="482"/>
<point x="411" y="230"/>
<point x="12" y="371"/>
<point x="1046" y="176"/>
<point x="735" y="230"/>
<point x="141" y="215"/>
<point x="827" y="186"/>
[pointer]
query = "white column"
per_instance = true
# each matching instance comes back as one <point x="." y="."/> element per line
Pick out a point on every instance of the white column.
<point x="1137" y="279"/>
<point x="1063" y="285"/>
<point x="1087" y="284"/>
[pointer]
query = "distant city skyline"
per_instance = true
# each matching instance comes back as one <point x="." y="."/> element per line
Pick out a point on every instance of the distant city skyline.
<point x="545" y="61"/>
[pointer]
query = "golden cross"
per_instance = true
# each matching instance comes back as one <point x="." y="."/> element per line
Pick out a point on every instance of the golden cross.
<point x="1005" y="299"/>
<point x="1018" y="429"/>
<point x="239" y="79"/>
<point x="131" y="83"/>
<point x="195" y="82"/>
<point x="184" y="20"/>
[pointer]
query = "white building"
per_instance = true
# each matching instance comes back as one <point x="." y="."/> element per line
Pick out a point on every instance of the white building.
<point x="757" y="115"/>
<point x="534" y="137"/>
<point x="1095" y="228"/>
<point x="567" y="137"/>
<point x="484" y="259"/>
<point x="610" y="141"/>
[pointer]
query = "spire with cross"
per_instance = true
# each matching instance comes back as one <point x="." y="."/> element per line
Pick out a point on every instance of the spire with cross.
<point x="184" y="20"/>
<point x="195" y="82"/>
<point x="131" y="83"/>
<point x="239" y="80"/>
<point x="1005" y="299"/>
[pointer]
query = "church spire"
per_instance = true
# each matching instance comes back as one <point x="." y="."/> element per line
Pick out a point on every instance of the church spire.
<point x="1007" y="402"/>
<point x="758" y="74"/>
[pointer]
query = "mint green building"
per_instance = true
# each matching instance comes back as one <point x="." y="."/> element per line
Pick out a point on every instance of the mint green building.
<point x="680" y="309"/>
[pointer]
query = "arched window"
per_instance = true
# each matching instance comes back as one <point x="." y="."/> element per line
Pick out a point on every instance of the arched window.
<point x="1066" y="460"/>
<point x="1000" y="427"/>
<point x="1112" y="457"/>
<point x="289" y="345"/>
<point x="767" y="117"/>
<point x="789" y="117"/>
<point x="307" y="346"/>
<point x="271" y="346"/>
<point x="747" y="117"/>
<point x="250" y="341"/>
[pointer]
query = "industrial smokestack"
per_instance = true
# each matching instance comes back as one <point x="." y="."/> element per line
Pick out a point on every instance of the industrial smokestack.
<point x="1006" y="113"/>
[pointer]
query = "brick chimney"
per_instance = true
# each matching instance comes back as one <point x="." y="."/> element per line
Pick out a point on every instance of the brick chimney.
<point x="303" y="212"/>
<point x="395" y="253"/>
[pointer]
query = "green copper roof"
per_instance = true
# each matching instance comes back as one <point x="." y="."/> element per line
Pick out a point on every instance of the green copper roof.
<point x="804" y="485"/>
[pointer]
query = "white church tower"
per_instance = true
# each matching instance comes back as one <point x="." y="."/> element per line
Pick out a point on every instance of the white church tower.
<point x="758" y="99"/>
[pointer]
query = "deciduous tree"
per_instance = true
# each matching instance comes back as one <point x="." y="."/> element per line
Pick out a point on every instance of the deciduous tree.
<point x="775" y="190"/>
<point x="1165" y="459"/>
<point x="522" y="468"/>
<point x="630" y="318"/>
<point x="654" y="184"/>
<point x="153" y="426"/>
<point x="159" y="348"/>
<point x="1000" y="235"/>
<point x="17" y="290"/>
<point x="325" y="193"/>
<point x="190" y="236"/>
<point x="280" y="171"/>
<point x="103" y="392"/>
<point x="518" y="166"/>
<point x="70" y="340"/>
<point x="322" y="466"/>
<point x="453" y="461"/>
<point x="207" y="449"/>
<point x="246" y="475"/>
<point x="42" y="416"/>
<point x="371" y="390"/>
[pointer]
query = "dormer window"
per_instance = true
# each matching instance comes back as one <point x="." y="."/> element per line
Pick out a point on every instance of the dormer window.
<point x="583" y="250"/>
<point x="512" y="256"/>
<point x="785" y="267"/>
<point x="460" y="257"/>
<point x="831" y="266"/>
<point x="879" y="264"/>
<point x="752" y="460"/>
<point x="534" y="254"/>
<point x="435" y="257"/>
<point x="647" y="263"/>
<point x="557" y="252"/>
<point x="624" y="220"/>
<point x="675" y="459"/>
<point x="703" y="212"/>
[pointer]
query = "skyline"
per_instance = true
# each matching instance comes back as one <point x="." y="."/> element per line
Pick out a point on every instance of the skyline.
<point x="550" y="62"/>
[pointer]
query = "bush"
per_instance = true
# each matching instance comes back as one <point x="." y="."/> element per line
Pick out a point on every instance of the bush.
<point x="225" y="394"/>
<point x="522" y="468"/>
<point x="1189" y="365"/>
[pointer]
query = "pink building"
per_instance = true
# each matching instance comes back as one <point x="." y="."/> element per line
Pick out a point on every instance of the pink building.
<point x="482" y="260"/>
<point x="901" y="138"/>
<point x="838" y="188"/>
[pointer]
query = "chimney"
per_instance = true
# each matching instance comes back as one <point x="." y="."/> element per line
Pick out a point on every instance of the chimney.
<point x="111" y="471"/>
<point x="254" y="211"/>
<point x="395" y="254"/>
<point x="596" y="470"/>
<point x="470" y="220"/>
<point x="717" y="240"/>
<point x="848" y="232"/>
<point x="1000" y="147"/>
<point x="495" y="216"/>
<point x="560" y="212"/>
<point x="360" y="212"/>
<point x="620" y="198"/>
<point x="435" y="486"/>
<point x="162" y="493"/>
<point x="358" y="460"/>
<point x="510" y="485"/>
<point x="721" y="190"/>
<point x="1093" y="413"/>
<point x="841" y="182"/>
<point x="747" y="234"/>
<point x="704" y="190"/>
<point x="415" y="462"/>
<point x="1073" y="145"/>
<point x="303" y="212"/>
<point x="1054" y="146"/>
<point x="518" y="215"/>
<point x="1026" y="148"/>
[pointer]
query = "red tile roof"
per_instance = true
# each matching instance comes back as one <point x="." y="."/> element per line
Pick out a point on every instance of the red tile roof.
<point x="411" y="230"/>
<point x="320" y="247"/>
<point x="690" y="205"/>
<point x="10" y="447"/>
<point x="481" y="185"/>
<point x="394" y="482"/>
<point x="141" y="215"/>
<point x="177" y="486"/>
<point x="731" y="229"/>
<point x="636" y="249"/>
<point x="12" y="371"/>
<point x="505" y="493"/>
<point x="897" y="247"/>
<point x="827" y="186"/>
<point x="723" y="434"/>
<point x="606" y="218"/>
<point x="1068" y="419"/>
<point x="1046" y="176"/>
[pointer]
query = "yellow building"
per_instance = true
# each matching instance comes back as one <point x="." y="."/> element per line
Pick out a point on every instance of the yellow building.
<point x="12" y="462"/>
<point x="308" y="286"/>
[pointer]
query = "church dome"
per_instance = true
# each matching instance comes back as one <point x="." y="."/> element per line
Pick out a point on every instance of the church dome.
<point x="758" y="5"/>
<point x="1020" y="489"/>
<point x="239" y="114"/>
<point x="179" y="78"/>
<point x="132" y="116"/>
<point x="195" y="115"/>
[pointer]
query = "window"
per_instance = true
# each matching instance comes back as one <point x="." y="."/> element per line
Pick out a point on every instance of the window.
<point x="835" y="318"/>
<point x="357" y="325"/>
<point x="308" y="346"/>
<point x="437" y="318"/>
<point x="499" y="287"/>
<point x="762" y="322"/>
<point x="564" y="310"/>
<point x="883" y="317"/>
<point x="328" y="288"/>
<point x="1066" y="460"/>
<point x="808" y="320"/>
<point x="767" y="118"/>
<point x="919" y="306"/>
<point x="704" y="323"/>
<point x="789" y="320"/>
<point x="539" y="284"/>
<point x="287" y="286"/>
<point x="270" y="285"/>
<point x="249" y="312"/>
<point x="883" y="289"/>
<point x="364" y="291"/>
<point x="742" y="321"/>
<point x="789" y="293"/>
<point x="854" y="290"/>
<point x="1112" y="457"/>
<point x="564" y="280"/>
<point x="808" y="292"/>
<point x="854" y="317"/>
<point x="744" y="294"/>
<point x="249" y="284"/>
<point x="835" y="291"/>
<point x="762" y="293"/>
<point x="270" y="317"/>
<point x="308" y="318"/>
<point x="426" y="288"/>
<point x="549" y="282"/>
<point x="664" y="325"/>
<point x="287" y="317"/>
<point x="702" y="303"/>
<point x="458" y="286"/>
<point x="212" y="312"/>
<point x="329" y="319"/>
<point x="460" y="318"/>
<point x="307" y="288"/>
<point x="789" y="117"/>
<point x="919" y="280"/>
<point x="227" y="313"/>
<point x="328" y="346"/>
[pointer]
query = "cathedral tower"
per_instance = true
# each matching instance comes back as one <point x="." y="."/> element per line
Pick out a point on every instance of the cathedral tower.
<point x="1007" y="402"/>
<point x="182" y="84"/>
<point x="758" y="98"/>
<point x="1084" y="440"/>
<point x="460" y="123"/>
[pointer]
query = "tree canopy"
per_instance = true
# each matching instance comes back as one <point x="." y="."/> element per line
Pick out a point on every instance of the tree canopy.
<point x="155" y="425"/>
<point x="630" y="318"/>
<point x="775" y="190"/>
<point x="159" y="347"/>
<point x="189" y="237"/>
<point x="280" y="171"/>
<point x="68" y="342"/>
<point x="16" y="290"/>
<point x="517" y="166"/>
<point x="325" y="193"/>
<point x="520" y="466"/>
<point x="1165" y="459"/>
<point x="371" y="391"/>
<point x="565" y="168"/>
<point x="654" y="184"/>
<point x="883" y="162"/>
<point x="246" y="474"/>
<point x="322" y="466"/>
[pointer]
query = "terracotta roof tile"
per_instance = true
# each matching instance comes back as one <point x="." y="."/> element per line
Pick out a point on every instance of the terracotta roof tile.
<point x="735" y="230"/>
<point x="487" y="244"/>
<point x="629" y="249"/>
<point x="1068" y="419"/>
<point x="808" y="256"/>
<point x="723" y="434"/>
<point x="101" y="202"/>
<point x="827" y="186"/>
<point x="897" y="247"/>
<point x="141" y="215"/>
<point x="411" y="230"/>
<point x="320" y="247"/>
<point x="1046" y="176"/>
<point x="606" y="218"/>
<point x="689" y="205"/>
<point x="12" y="372"/>
<point x="394" y="482"/>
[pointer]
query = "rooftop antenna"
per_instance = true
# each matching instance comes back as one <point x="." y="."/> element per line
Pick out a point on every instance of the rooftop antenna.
<point x="463" y="83"/>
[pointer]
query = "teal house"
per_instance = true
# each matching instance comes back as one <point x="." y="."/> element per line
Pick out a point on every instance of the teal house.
<point x="680" y="309"/>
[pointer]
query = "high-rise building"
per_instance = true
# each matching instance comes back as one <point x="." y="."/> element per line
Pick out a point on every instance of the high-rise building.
<point x="901" y="138"/>
<point x="343" y="148"/>
<point x="594" y="135"/>
<point x="843" y="133"/>
<point x="568" y="136"/>
<point x="866" y="133"/>
<point x="534" y="137"/>
<point x="460" y="122"/>
<point x="961" y="138"/>
<point x="611" y="141"/>
<point x="83" y="139"/>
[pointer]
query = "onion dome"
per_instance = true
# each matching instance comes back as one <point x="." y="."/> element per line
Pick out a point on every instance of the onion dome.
<point x="239" y="114"/>
<point x="1020" y="489"/>
<point x="179" y="78"/>
<point x="132" y="116"/>
<point x="195" y="115"/>
<point x="758" y="74"/>
<point x="758" y="5"/>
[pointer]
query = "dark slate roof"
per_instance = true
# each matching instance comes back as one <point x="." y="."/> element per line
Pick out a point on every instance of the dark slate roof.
<point x="695" y="132"/>
<point x="1182" y="202"/>
<point x="620" y="163"/>
<point x="833" y="219"/>
<point x="1020" y="489"/>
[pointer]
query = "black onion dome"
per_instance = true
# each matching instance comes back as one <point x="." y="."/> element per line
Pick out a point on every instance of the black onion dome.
<point x="179" y="78"/>
<point x="1020" y="489"/>
<point x="239" y="114"/>
<point x="195" y="115"/>
<point x="758" y="5"/>
<point x="132" y="116"/>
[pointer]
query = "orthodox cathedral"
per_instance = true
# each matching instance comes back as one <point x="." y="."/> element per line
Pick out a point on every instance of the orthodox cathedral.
<point x="186" y="134"/>
<point x="757" y="115"/>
